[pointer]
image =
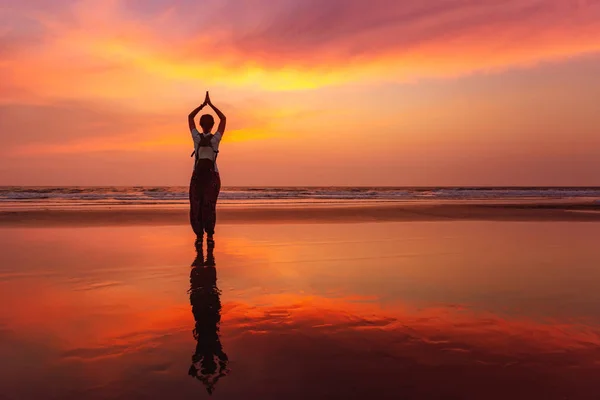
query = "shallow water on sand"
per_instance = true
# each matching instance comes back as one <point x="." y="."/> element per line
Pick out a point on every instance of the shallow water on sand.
<point x="423" y="310"/>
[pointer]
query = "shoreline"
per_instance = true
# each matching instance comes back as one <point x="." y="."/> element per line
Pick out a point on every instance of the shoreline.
<point x="499" y="211"/>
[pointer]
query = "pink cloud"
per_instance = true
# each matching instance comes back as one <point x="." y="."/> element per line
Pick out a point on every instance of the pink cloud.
<point x="403" y="39"/>
<point x="315" y="32"/>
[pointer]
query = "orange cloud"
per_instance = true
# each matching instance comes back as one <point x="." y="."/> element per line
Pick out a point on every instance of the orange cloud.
<point x="117" y="49"/>
<point x="129" y="71"/>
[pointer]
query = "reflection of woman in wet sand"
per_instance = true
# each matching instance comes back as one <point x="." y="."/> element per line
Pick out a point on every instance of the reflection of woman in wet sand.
<point x="206" y="181"/>
<point x="209" y="362"/>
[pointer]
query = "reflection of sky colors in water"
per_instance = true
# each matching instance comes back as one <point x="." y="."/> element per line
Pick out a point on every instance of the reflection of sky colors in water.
<point x="462" y="310"/>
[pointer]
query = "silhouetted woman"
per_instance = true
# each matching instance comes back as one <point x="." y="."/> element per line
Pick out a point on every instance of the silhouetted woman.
<point x="209" y="362"/>
<point x="206" y="181"/>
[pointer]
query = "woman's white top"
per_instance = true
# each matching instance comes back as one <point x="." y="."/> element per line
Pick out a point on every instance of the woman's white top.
<point x="207" y="152"/>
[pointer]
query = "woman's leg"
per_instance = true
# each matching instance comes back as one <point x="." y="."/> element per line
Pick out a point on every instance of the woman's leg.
<point x="209" y="209"/>
<point x="196" y="206"/>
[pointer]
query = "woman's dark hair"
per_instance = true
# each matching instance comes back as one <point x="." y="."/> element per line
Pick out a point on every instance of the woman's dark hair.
<point x="207" y="122"/>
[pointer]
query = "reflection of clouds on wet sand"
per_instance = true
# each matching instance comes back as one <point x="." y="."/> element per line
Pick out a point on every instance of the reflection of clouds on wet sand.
<point x="418" y="311"/>
<point x="445" y="328"/>
<point x="442" y="328"/>
<point x="272" y="341"/>
<point x="434" y="351"/>
<point x="421" y="352"/>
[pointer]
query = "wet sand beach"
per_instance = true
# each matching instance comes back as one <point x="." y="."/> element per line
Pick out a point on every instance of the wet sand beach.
<point x="418" y="309"/>
<point x="310" y="213"/>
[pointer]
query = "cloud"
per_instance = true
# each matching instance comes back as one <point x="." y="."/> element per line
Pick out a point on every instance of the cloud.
<point x="293" y="44"/>
<point x="121" y="75"/>
<point x="354" y="28"/>
<point x="411" y="38"/>
<point x="61" y="123"/>
<point x="83" y="127"/>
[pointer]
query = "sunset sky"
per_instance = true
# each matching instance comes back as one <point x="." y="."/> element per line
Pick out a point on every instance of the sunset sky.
<point x="328" y="92"/>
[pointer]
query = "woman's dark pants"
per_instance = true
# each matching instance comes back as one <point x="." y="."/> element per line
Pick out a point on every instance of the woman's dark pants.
<point x="205" y="186"/>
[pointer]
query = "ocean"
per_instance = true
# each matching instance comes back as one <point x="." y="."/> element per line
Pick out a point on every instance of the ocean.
<point x="178" y="195"/>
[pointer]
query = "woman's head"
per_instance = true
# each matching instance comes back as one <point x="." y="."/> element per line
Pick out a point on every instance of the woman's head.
<point x="207" y="122"/>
